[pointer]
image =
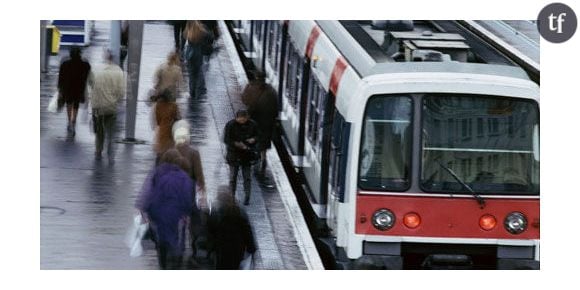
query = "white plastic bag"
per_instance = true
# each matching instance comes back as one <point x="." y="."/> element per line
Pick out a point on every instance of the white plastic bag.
<point x="248" y="262"/>
<point x="135" y="235"/>
<point x="53" y="103"/>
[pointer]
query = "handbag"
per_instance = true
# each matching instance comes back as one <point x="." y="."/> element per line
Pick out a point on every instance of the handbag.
<point x="135" y="235"/>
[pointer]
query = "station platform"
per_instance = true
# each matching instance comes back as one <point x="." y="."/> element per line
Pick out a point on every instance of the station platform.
<point x="86" y="206"/>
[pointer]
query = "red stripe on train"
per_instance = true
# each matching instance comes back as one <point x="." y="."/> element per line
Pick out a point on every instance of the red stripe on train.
<point x="314" y="34"/>
<point x="337" y="72"/>
<point x="447" y="217"/>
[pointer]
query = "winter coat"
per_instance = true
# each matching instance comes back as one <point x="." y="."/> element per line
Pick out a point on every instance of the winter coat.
<point x="165" y="114"/>
<point x="168" y="77"/>
<point x="166" y="198"/>
<point x="194" y="161"/>
<point x="251" y="93"/>
<point x="236" y="132"/>
<point x="107" y="88"/>
<point x="231" y="235"/>
<point x="72" y="80"/>
<point x="264" y="111"/>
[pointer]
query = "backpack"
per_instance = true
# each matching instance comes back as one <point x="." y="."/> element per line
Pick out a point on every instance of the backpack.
<point x="207" y="43"/>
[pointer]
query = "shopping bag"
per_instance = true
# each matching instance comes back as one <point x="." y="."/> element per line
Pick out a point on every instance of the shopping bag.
<point x="53" y="103"/>
<point x="135" y="235"/>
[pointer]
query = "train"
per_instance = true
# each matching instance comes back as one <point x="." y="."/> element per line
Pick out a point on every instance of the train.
<point x="417" y="141"/>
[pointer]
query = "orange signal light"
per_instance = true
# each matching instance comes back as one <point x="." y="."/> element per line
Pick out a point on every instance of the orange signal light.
<point x="487" y="222"/>
<point x="411" y="220"/>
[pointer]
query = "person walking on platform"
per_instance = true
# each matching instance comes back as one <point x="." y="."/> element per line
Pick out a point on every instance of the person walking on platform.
<point x="107" y="84"/>
<point x="195" y="34"/>
<point x="168" y="76"/>
<point x="166" y="202"/>
<point x="72" y="81"/>
<point x="178" y="26"/>
<point x="209" y="46"/>
<point x="181" y="136"/>
<point x="230" y="231"/>
<point x="166" y="113"/>
<point x="241" y="135"/>
<point x="263" y="108"/>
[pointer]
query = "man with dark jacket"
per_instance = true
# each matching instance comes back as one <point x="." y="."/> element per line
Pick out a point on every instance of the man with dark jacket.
<point x="72" y="82"/>
<point x="241" y="136"/>
<point x="264" y="110"/>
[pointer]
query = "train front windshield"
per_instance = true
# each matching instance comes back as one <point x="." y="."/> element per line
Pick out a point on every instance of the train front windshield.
<point x="489" y="143"/>
<point x="385" y="160"/>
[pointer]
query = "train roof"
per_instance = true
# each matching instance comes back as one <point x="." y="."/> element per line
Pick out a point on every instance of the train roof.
<point x="378" y="47"/>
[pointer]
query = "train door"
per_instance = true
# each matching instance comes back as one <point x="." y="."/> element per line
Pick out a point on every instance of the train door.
<point x="293" y="107"/>
<point x="327" y="126"/>
<point x="319" y="114"/>
<point x="338" y="158"/>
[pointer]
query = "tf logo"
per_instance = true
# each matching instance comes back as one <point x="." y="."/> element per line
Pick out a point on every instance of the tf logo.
<point x="557" y="22"/>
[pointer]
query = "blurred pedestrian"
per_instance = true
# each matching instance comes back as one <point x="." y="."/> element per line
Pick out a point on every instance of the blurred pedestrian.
<point x="263" y="109"/>
<point x="168" y="75"/>
<point x="107" y="89"/>
<point x="241" y="136"/>
<point x="182" y="136"/>
<point x="72" y="83"/>
<point x="166" y="113"/>
<point x="230" y="231"/>
<point x="212" y="27"/>
<point x="196" y="34"/>
<point x="166" y="202"/>
<point x="209" y="44"/>
<point x="178" y="27"/>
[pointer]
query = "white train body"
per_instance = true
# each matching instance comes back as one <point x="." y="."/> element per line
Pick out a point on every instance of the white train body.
<point x="341" y="76"/>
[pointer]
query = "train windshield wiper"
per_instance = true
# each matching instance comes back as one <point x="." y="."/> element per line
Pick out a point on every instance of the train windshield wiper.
<point x="478" y="197"/>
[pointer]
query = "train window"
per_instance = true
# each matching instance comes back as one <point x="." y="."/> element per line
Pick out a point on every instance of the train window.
<point x="501" y="163"/>
<point x="385" y="154"/>
<point x="274" y="41"/>
<point x="316" y="94"/>
<point x="259" y="29"/>
<point x="293" y="79"/>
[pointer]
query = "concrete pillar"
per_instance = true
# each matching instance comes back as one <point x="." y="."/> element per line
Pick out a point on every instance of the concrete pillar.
<point x="133" y="68"/>
<point x="115" y="40"/>
<point x="43" y="47"/>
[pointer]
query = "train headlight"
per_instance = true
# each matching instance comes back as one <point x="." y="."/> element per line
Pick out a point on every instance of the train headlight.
<point x="515" y="223"/>
<point x="383" y="219"/>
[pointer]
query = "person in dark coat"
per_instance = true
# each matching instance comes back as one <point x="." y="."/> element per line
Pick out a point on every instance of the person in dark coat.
<point x="230" y="231"/>
<point x="196" y="34"/>
<point x="72" y="82"/>
<point x="263" y="108"/>
<point x="166" y="202"/>
<point x="178" y="27"/>
<point x="241" y="136"/>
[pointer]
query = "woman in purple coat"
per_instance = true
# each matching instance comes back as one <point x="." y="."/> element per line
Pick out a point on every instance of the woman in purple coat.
<point x="166" y="201"/>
